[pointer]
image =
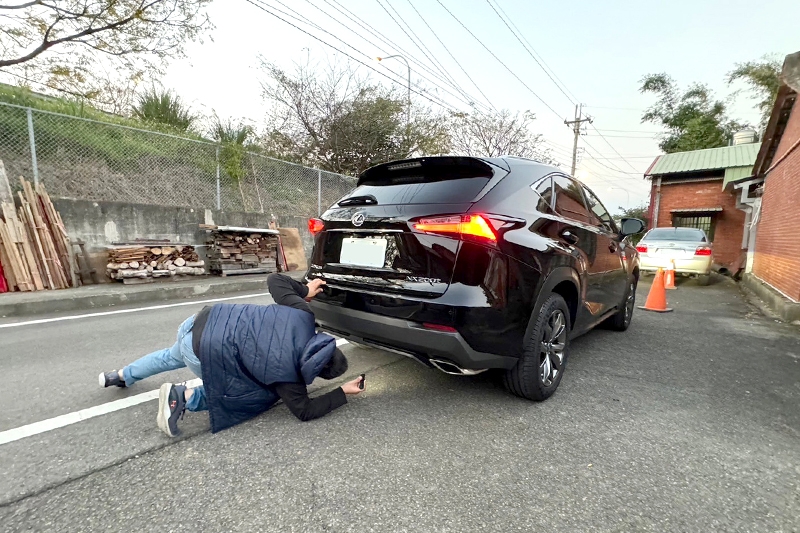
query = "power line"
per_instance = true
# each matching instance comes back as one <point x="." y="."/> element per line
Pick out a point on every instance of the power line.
<point x="417" y="92"/>
<point x="451" y="54"/>
<point x="388" y="42"/>
<point x="500" y="61"/>
<point x="529" y="52"/>
<point x="612" y="147"/>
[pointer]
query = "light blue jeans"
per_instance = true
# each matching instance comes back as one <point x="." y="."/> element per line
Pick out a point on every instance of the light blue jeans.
<point x="179" y="355"/>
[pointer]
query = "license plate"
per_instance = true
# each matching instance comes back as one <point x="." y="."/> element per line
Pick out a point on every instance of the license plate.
<point x="671" y="253"/>
<point x="364" y="252"/>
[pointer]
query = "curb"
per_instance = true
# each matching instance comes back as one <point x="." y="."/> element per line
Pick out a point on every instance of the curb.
<point x="110" y="295"/>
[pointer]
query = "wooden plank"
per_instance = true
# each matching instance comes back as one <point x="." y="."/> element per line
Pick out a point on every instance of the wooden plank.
<point x="26" y="218"/>
<point x="293" y="251"/>
<point x="49" y="252"/>
<point x="8" y="271"/>
<point x="56" y="225"/>
<point x="21" y="272"/>
<point x="18" y="233"/>
<point x="6" y="196"/>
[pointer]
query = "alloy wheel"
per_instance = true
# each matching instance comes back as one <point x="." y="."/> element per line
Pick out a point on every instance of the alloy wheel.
<point x="554" y="341"/>
<point x="630" y="301"/>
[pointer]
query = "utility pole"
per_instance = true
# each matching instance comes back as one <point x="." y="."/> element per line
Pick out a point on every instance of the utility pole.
<point x="576" y="129"/>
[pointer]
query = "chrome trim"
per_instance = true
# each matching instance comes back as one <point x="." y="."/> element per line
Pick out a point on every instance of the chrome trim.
<point x="438" y="363"/>
<point x="364" y="230"/>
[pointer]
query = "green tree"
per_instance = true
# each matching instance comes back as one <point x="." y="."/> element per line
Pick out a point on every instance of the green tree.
<point x="693" y="119"/>
<point x="341" y="122"/>
<point x="234" y="138"/>
<point x="164" y="107"/>
<point x="763" y="79"/>
<point x="88" y="47"/>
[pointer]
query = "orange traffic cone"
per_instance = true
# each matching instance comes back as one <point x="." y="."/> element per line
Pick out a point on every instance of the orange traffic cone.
<point x="669" y="276"/>
<point x="657" y="298"/>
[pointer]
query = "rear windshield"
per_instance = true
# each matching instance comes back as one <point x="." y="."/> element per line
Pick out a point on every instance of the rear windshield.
<point x="676" y="234"/>
<point x="452" y="191"/>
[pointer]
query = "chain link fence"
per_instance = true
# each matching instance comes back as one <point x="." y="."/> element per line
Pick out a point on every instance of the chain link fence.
<point x="102" y="161"/>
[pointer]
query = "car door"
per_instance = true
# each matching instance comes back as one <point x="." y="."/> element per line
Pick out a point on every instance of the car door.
<point x="576" y="231"/>
<point x="609" y="263"/>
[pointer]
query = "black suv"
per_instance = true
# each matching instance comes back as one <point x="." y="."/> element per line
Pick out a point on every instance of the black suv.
<point x="468" y="264"/>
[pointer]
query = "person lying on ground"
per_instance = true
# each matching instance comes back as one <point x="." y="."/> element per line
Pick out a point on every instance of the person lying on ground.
<point x="248" y="356"/>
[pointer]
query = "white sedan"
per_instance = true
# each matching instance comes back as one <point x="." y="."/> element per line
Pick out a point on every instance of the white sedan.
<point x="688" y="249"/>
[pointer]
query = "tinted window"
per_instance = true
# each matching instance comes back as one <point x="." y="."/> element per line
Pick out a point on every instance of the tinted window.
<point x="569" y="199"/>
<point x="545" y="192"/>
<point x="675" y="234"/>
<point x="434" y="192"/>
<point x="600" y="216"/>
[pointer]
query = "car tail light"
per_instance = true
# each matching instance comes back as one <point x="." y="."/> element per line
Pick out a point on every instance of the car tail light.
<point x="315" y="225"/>
<point x="642" y="248"/>
<point x="475" y="227"/>
<point x="439" y="327"/>
<point x="703" y="250"/>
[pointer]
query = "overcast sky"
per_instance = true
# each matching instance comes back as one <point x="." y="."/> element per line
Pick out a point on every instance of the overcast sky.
<point x="598" y="50"/>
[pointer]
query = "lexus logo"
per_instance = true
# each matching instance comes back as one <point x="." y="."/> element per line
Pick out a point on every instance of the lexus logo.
<point x="357" y="219"/>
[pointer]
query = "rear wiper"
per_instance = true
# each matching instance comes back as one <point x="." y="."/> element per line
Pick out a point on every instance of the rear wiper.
<point x="359" y="200"/>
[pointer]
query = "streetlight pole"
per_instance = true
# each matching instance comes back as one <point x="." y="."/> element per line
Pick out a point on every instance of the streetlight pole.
<point x="628" y="204"/>
<point x="408" y="109"/>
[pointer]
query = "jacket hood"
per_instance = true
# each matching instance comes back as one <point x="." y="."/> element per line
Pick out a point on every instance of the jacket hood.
<point x="316" y="354"/>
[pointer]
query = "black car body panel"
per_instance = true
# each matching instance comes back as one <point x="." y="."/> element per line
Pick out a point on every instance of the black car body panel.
<point x="465" y="298"/>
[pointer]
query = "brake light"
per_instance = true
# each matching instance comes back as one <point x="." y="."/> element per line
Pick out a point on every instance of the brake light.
<point x="315" y="225"/>
<point x="462" y="225"/>
<point x="439" y="327"/>
<point x="642" y="248"/>
<point x="703" y="250"/>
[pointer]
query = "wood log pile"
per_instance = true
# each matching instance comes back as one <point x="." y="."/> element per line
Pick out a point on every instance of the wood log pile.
<point x="242" y="250"/>
<point x="144" y="261"/>
<point x="35" y="250"/>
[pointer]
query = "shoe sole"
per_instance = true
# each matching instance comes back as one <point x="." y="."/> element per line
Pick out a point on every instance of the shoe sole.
<point x="163" y="409"/>
<point x="102" y="380"/>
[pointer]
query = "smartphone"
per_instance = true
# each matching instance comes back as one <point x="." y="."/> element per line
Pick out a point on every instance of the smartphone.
<point x="361" y="383"/>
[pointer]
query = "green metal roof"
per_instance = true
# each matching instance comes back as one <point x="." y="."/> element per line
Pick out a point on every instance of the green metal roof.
<point x="736" y="173"/>
<point x="740" y="155"/>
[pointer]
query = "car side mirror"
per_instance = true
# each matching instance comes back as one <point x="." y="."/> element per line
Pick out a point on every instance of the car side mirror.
<point x="631" y="226"/>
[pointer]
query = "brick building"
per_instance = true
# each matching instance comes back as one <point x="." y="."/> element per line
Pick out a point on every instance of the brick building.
<point x="774" y="243"/>
<point x="689" y="190"/>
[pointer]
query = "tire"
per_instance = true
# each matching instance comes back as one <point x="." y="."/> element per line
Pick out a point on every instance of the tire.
<point x="621" y="320"/>
<point x="527" y="379"/>
<point x="704" y="280"/>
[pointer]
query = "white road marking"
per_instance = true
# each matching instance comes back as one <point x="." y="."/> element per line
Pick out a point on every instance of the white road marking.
<point x="68" y="419"/>
<point x="122" y="311"/>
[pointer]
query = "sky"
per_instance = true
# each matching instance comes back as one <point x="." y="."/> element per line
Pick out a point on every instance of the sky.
<point x="592" y="53"/>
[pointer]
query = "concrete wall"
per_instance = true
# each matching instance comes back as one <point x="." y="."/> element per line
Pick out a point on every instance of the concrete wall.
<point x="101" y="223"/>
<point x="729" y="226"/>
<point x="777" y="256"/>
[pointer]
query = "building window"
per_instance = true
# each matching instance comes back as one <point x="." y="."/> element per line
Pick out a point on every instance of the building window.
<point x="705" y="223"/>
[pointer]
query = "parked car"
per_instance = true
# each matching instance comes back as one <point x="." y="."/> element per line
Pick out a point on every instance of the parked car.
<point x="467" y="264"/>
<point x="689" y="249"/>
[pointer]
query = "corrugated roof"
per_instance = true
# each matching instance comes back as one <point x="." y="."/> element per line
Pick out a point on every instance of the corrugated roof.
<point x="736" y="173"/>
<point x="740" y="155"/>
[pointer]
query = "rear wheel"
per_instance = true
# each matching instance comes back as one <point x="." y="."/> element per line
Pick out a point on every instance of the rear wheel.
<point x="538" y="372"/>
<point x="621" y="320"/>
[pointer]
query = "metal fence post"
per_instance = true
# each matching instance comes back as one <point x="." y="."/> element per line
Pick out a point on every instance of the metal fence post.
<point x="32" y="140"/>
<point x="319" y="192"/>
<point x="219" y="199"/>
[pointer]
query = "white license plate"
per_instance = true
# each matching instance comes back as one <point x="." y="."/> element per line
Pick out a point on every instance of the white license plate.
<point x="672" y="253"/>
<point x="363" y="252"/>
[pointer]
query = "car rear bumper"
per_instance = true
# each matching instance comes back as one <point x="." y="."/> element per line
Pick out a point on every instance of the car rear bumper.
<point x="405" y="337"/>
<point x="700" y="265"/>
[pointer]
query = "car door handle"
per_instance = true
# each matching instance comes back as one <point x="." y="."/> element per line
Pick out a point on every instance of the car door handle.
<point x="570" y="237"/>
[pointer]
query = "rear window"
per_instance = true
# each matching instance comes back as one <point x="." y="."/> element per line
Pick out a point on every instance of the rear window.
<point x="675" y="234"/>
<point x="453" y="191"/>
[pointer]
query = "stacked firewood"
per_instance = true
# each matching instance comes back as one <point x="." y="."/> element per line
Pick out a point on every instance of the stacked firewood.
<point x="242" y="250"/>
<point x="145" y="261"/>
<point x="35" y="251"/>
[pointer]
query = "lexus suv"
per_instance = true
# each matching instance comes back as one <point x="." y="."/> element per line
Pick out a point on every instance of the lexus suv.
<point x="468" y="264"/>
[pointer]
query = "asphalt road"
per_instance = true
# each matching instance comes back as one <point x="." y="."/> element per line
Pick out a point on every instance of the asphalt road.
<point x="687" y="422"/>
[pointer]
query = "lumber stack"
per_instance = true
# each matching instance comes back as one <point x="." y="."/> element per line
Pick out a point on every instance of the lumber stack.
<point x="35" y="250"/>
<point x="144" y="261"/>
<point x="242" y="250"/>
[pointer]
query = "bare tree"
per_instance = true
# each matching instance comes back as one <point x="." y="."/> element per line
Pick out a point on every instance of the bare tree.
<point x="337" y="120"/>
<point x="491" y="134"/>
<point x="64" y="43"/>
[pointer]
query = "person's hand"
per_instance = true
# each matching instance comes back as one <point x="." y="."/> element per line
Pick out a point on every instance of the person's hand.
<point x="351" y="387"/>
<point x="314" y="288"/>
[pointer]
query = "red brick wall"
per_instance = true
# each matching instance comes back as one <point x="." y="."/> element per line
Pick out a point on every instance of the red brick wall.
<point x="729" y="227"/>
<point x="777" y="257"/>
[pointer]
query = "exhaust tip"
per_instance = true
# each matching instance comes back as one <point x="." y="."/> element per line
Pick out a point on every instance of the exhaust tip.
<point x="450" y="368"/>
